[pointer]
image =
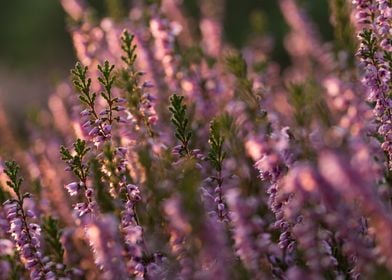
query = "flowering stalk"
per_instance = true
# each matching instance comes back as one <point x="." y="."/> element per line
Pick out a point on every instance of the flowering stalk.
<point x="216" y="155"/>
<point x="237" y="66"/>
<point x="306" y="234"/>
<point x="164" y="34"/>
<point x="211" y="26"/>
<point x="114" y="168"/>
<point x="375" y="53"/>
<point x="99" y="124"/>
<point x="9" y="259"/>
<point x="345" y="180"/>
<point x="140" y="101"/>
<point x="180" y="121"/>
<point x="243" y="231"/>
<point x="25" y="235"/>
<point x="77" y="164"/>
<point x="132" y="231"/>
<point x="179" y="228"/>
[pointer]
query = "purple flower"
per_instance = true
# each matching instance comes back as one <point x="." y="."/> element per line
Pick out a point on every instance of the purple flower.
<point x="6" y="247"/>
<point x="73" y="188"/>
<point x="375" y="47"/>
<point x="26" y="237"/>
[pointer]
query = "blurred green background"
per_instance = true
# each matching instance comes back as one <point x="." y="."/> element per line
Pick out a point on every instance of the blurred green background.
<point x="36" y="51"/>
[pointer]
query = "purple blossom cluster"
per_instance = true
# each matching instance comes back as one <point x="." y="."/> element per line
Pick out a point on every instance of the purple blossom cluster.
<point x="27" y="239"/>
<point x="375" y="52"/>
<point x="198" y="163"/>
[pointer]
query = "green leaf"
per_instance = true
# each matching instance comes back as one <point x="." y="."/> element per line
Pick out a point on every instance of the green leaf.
<point x="76" y="162"/>
<point x="180" y="120"/>
<point x="216" y="154"/>
<point x="12" y="171"/>
<point x="52" y="235"/>
<point x="128" y="48"/>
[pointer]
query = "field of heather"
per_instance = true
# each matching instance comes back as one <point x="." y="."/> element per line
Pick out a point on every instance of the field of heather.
<point x="196" y="140"/>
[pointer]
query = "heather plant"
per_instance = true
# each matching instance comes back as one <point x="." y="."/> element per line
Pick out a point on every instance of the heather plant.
<point x="169" y="154"/>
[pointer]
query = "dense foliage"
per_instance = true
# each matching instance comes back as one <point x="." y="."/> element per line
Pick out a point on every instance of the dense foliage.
<point x="171" y="155"/>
